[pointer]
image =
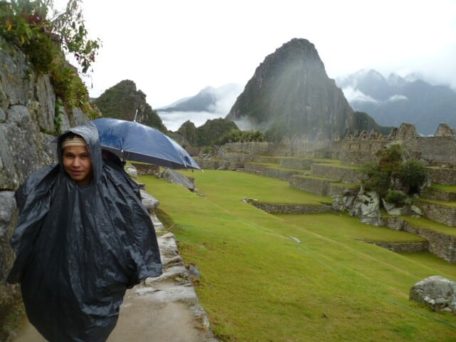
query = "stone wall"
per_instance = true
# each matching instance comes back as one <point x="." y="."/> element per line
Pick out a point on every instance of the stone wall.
<point x="146" y="169"/>
<point x="290" y="208"/>
<point x="269" y="172"/>
<point x="402" y="247"/>
<point x="296" y="163"/>
<point x="314" y="185"/>
<point x="437" y="150"/>
<point x="442" y="175"/>
<point x="439" y="212"/>
<point x="338" y="173"/>
<point x="438" y="195"/>
<point x="29" y="119"/>
<point x="434" y="150"/>
<point x="440" y="244"/>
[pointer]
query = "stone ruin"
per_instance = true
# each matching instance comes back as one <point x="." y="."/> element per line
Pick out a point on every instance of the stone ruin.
<point x="439" y="150"/>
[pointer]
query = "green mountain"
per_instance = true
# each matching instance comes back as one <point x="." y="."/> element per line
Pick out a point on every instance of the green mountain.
<point x="122" y="100"/>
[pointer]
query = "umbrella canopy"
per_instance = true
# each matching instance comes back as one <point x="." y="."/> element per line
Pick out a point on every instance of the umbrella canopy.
<point x="133" y="141"/>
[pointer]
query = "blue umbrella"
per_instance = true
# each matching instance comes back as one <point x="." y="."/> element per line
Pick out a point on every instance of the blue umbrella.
<point x="133" y="141"/>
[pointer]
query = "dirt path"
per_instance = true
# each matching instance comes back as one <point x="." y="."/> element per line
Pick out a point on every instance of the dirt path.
<point x="163" y="309"/>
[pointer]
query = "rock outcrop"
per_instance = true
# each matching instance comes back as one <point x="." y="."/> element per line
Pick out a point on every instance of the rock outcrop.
<point x="291" y="95"/>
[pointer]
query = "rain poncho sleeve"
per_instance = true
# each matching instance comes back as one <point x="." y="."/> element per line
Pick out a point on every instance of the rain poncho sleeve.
<point x="78" y="248"/>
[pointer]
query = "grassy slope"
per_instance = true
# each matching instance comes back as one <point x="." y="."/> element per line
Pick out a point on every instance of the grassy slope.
<point x="258" y="284"/>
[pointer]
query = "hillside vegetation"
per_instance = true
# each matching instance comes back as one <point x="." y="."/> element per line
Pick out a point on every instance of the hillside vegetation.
<point x="298" y="277"/>
<point x="124" y="101"/>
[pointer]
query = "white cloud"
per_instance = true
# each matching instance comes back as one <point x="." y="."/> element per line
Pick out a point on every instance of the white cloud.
<point x="174" y="48"/>
<point x="396" y="98"/>
<point x="173" y="120"/>
<point x="356" y="95"/>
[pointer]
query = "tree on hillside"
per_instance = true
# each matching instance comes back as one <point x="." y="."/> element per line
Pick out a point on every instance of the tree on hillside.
<point x="213" y="130"/>
<point x="393" y="176"/>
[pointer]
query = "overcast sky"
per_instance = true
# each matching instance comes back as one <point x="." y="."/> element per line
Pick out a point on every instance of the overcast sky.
<point x="174" y="48"/>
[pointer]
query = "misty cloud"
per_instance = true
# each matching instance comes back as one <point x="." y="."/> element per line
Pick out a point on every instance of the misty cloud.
<point x="225" y="97"/>
<point x="396" y="98"/>
<point x="173" y="120"/>
<point x="352" y="94"/>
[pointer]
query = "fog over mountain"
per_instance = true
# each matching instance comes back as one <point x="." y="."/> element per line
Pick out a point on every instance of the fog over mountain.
<point x="394" y="99"/>
<point x="210" y="103"/>
<point x="390" y="100"/>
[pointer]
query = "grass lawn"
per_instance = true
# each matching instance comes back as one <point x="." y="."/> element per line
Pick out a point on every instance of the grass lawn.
<point x="442" y="203"/>
<point x="432" y="225"/>
<point x="260" y="284"/>
<point x="444" y="187"/>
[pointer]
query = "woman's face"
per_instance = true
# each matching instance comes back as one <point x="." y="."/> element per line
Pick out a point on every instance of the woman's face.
<point x="77" y="164"/>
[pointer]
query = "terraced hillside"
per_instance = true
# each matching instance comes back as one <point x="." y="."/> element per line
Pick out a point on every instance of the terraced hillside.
<point x="329" y="177"/>
<point x="324" y="177"/>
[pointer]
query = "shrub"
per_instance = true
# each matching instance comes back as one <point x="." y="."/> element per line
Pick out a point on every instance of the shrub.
<point x="235" y="135"/>
<point x="412" y="175"/>
<point x="393" y="173"/>
<point x="396" y="197"/>
<point x="27" y="25"/>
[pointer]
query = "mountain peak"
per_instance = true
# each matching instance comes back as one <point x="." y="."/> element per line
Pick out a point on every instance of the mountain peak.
<point x="290" y="95"/>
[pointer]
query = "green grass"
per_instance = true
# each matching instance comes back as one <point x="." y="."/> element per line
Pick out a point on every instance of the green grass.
<point x="278" y="167"/>
<point x="442" y="203"/>
<point x="259" y="284"/>
<point x="347" y="228"/>
<point x="318" y="178"/>
<point x="428" y="224"/>
<point x="340" y="165"/>
<point x="444" y="187"/>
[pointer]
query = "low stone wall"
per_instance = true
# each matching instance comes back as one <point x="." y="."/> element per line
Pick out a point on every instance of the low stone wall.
<point x="266" y="159"/>
<point x="249" y="148"/>
<point x="439" y="212"/>
<point x="218" y="164"/>
<point x="146" y="169"/>
<point x="442" y="175"/>
<point x="296" y="163"/>
<point x="403" y="247"/>
<point x="270" y="172"/>
<point x="438" y="195"/>
<point x="441" y="245"/>
<point x="317" y="186"/>
<point x="342" y="174"/>
<point x="338" y="189"/>
<point x="290" y="208"/>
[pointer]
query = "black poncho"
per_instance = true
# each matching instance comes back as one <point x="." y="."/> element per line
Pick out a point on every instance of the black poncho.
<point x="78" y="248"/>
